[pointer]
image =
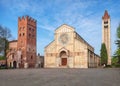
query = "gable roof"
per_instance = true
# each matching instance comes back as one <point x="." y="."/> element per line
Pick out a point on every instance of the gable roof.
<point x="49" y="44"/>
<point x="63" y="26"/>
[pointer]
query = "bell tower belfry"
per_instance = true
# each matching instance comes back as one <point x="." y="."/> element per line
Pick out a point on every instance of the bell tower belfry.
<point x="106" y="34"/>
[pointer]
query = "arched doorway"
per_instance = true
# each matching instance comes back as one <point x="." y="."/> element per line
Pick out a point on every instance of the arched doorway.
<point x="14" y="64"/>
<point x="63" y="56"/>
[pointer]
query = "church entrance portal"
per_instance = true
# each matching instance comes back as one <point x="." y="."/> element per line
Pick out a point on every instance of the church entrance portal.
<point x="63" y="56"/>
<point x="64" y="61"/>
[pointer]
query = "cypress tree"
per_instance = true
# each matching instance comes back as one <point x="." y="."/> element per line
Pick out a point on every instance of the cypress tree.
<point x="117" y="53"/>
<point x="103" y="54"/>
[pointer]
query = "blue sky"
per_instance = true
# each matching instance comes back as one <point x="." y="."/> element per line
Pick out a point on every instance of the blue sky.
<point x="84" y="15"/>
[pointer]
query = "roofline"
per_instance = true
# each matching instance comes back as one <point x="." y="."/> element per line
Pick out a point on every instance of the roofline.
<point x="97" y="55"/>
<point x="64" y="24"/>
<point x="13" y="41"/>
<point x="49" y="44"/>
<point x="84" y="40"/>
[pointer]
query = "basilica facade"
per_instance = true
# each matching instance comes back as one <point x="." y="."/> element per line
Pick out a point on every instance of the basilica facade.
<point x="69" y="50"/>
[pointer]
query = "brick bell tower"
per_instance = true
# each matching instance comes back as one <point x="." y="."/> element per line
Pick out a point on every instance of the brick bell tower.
<point x="27" y="41"/>
<point x="106" y="34"/>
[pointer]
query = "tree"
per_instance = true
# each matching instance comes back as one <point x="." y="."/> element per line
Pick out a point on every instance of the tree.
<point x="117" y="53"/>
<point x="114" y="60"/>
<point x="103" y="54"/>
<point x="2" y="58"/>
<point x="4" y="44"/>
<point x="1" y="39"/>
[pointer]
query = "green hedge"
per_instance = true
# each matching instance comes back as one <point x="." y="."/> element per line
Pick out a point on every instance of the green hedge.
<point x="108" y="66"/>
<point x="116" y="65"/>
<point x="113" y="66"/>
<point x="2" y="58"/>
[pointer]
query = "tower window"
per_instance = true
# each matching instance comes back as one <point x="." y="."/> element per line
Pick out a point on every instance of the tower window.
<point x="33" y="30"/>
<point x="106" y="26"/>
<point x="105" y="22"/>
<point x="20" y="34"/>
<point x="21" y="57"/>
<point x="29" y="34"/>
<point x="31" y="57"/>
<point x="29" y="28"/>
<point x="23" y="34"/>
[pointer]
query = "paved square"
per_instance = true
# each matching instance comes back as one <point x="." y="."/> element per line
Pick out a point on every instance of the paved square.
<point x="60" y="77"/>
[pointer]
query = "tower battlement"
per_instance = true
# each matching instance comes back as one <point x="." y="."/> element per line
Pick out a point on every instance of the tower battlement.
<point x="28" y="18"/>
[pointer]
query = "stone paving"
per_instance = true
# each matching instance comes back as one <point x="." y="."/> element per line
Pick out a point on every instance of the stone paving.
<point x="60" y="77"/>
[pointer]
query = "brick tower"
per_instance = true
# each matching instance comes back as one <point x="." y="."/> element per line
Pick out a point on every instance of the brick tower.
<point x="106" y="34"/>
<point x="27" y="41"/>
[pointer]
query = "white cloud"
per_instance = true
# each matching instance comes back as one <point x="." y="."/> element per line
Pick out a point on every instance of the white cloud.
<point x="85" y="16"/>
<point x="47" y="27"/>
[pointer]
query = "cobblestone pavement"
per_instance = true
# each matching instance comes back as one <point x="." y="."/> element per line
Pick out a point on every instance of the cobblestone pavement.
<point x="60" y="77"/>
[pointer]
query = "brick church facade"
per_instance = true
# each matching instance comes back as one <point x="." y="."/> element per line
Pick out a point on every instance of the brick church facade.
<point x="24" y="53"/>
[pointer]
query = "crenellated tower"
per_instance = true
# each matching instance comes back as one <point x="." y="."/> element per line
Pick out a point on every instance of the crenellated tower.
<point x="27" y="41"/>
<point x="106" y="34"/>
